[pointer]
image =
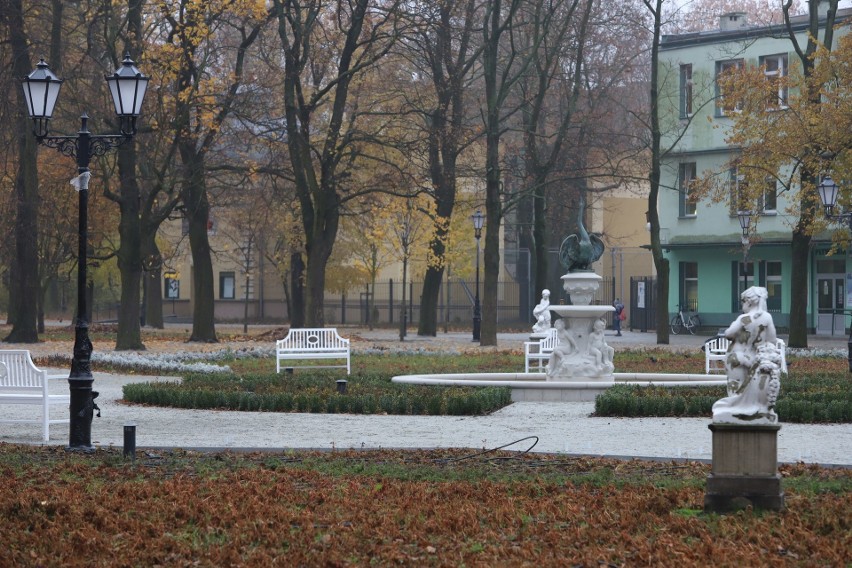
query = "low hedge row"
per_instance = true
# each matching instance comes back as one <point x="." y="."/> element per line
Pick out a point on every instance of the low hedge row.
<point x="316" y="394"/>
<point x="803" y="399"/>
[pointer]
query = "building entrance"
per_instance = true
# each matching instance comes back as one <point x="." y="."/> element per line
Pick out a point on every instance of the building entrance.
<point x="831" y="298"/>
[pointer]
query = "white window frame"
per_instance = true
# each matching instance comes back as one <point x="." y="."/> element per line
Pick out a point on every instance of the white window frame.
<point x="687" y="172"/>
<point x="776" y="279"/>
<point x="226" y="278"/>
<point x="771" y="187"/>
<point x="722" y="67"/>
<point x="686" y="90"/>
<point x="780" y="69"/>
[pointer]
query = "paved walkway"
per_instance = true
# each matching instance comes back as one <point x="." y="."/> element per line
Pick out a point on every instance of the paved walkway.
<point x="558" y="427"/>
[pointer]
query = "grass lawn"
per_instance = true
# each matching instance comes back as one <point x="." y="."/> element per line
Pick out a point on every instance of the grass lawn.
<point x="410" y="508"/>
<point x="413" y="508"/>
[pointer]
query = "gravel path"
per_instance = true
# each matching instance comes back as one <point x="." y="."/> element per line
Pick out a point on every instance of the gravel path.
<point x="558" y="427"/>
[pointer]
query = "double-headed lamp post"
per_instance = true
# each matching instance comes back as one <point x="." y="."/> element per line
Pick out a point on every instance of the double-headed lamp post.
<point x="745" y="224"/>
<point x="829" y="191"/>
<point x="41" y="91"/>
<point x="478" y="220"/>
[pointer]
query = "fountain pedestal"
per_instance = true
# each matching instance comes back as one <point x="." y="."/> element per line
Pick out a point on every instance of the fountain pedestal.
<point x="582" y="353"/>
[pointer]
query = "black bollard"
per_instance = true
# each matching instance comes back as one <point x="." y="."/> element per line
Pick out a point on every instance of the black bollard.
<point x="130" y="441"/>
<point x="341" y="386"/>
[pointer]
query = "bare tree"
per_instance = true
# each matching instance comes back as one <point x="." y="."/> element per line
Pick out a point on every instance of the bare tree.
<point x="325" y="50"/>
<point x="25" y="269"/>
<point x="444" y="52"/>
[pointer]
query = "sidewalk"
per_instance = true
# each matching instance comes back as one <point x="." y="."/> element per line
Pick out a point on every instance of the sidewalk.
<point x="559" y="427"/>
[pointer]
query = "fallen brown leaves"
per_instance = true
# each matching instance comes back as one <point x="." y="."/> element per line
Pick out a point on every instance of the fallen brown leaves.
<point x="395" y="507"/>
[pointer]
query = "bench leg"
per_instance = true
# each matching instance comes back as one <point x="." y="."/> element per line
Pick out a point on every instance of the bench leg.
<point x="45" y="417"/>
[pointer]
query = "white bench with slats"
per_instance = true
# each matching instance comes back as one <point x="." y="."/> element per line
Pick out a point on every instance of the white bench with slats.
<point x="21" y="382"/>
<point x="716" y="351"/>
<point x="312" y="344"/>
<point x="540" y="350"/>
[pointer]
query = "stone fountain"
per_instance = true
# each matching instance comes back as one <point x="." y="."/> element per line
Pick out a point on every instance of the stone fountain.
<point x="581" y="366"/>
<point x="582" y="353"/>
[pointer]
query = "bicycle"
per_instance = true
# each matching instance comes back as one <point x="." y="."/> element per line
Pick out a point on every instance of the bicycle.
<point x="687" y="321"/>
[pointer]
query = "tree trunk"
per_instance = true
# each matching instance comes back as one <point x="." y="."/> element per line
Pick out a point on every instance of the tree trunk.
<point x="661" y="263"/>
<point x="801" y="245"/>
<point x="153" y="283"/>
<point x="539" y="238"/>
<point x="25" y="268"/>
<point x="493" y="216"/>
<point x="42" y="294"/>
<point x="197" y="211"/>
<point x="318" y="255"/>
<point x="428" y="324"/>
<point x="129" y="336"/>
<point x="297" y="289"/>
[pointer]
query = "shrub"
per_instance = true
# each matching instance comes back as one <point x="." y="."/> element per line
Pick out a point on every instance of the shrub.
<point x="804" y="399"/>
<point x="366" y="394"/>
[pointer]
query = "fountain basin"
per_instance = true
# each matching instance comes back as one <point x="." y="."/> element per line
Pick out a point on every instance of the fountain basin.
<point x="534" y="387"/>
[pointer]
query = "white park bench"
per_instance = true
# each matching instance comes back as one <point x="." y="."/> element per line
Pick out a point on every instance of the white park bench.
<point x="540" y="350"/>
<point x="716" y="351"/>
<point x="21" y="382"/>
<point x="312" y="345"/>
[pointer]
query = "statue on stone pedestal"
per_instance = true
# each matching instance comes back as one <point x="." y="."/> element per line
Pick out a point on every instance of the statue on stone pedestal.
<point x="753" y="364"/>
<point x="541" y="313"/>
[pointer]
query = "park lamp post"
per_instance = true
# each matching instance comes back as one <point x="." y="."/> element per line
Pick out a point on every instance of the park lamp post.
<point x="478" y="220"/>
<point x="41" y="91"/>
<point x="829" y="191"/>
<point x="745" y="224"/>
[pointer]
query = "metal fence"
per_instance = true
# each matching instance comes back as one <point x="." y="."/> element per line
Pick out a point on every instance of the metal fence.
<point x="455" y="303"/>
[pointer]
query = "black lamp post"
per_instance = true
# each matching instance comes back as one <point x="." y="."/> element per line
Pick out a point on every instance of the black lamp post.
<point x="829" y="191"/>
<point x="478" y="220"/>
<point x="41" y="90"/>
<point x="745" y="223"/>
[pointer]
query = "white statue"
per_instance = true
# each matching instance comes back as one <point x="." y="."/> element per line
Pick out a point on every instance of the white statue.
<point x="753" y="365"/>
<point x="598" y="349"/>
<point x="541" y="313"/>
<point x="580" y="353"/>
<point x="566" y="347"/>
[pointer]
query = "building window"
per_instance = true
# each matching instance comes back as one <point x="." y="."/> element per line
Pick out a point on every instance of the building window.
<point x="686" y="188"/>
<point x="769" y="197"/>
<point x="227" y="285"/>
<point x="725" y="105"/>
<point x="775" y="69"/>
<point x="739" y="192"/>
<point x="773" y="285"/>
<point x="745" y="275"/>
<point x="689" y="285"/>
<point x="171" y="286"/>
<point x="686" y="90"/>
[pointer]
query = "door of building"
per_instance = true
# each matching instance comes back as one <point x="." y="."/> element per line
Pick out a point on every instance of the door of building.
<point x="831" y="296"/>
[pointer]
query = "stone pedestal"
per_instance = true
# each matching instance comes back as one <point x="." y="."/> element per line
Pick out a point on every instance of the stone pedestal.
<point x="745" y="469"/>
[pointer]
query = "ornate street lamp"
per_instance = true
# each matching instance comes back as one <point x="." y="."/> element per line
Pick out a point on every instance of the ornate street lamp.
<point x="478" y="220"/>
<point x="829" y="191"/>
<point x="745" y="223"/>
<point x="41" y="91"/>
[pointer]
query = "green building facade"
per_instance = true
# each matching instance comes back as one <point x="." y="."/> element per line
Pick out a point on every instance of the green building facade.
<point x="702" y="238"/>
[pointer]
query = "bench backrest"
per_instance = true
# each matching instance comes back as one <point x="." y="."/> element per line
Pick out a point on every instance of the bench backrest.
<point x="550" y="341"/>
<point x="17" y="370"/>
<point x="717" y="345"/>
<point x="325" y="339"/>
